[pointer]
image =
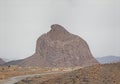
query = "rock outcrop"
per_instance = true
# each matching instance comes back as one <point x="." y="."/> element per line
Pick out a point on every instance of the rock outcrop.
<point x="59" y="48"/>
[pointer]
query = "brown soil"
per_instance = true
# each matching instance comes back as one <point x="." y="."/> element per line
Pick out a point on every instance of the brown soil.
<point x="39" y="79"/>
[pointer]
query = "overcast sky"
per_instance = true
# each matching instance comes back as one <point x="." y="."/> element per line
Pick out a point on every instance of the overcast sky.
<point x="23" y="21"/>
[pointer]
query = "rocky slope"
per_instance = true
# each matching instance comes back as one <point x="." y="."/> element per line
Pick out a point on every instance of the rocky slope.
<point x="59" y="48"/>
<point x="97" y="74"/>
<point x="1" y="61"/>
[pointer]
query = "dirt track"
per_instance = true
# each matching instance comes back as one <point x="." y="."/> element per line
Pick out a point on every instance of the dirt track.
<point x="13" y="80"/>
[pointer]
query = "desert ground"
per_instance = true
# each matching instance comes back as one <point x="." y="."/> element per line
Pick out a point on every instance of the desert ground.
<point x="13" y="74"/>
<point x="96" y="74"/>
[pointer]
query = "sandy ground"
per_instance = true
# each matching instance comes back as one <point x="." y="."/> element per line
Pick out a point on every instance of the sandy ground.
<point x="13" y="80"/>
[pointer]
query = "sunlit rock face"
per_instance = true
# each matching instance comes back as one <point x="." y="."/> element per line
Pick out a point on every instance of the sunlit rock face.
<point x="59" y="48"/>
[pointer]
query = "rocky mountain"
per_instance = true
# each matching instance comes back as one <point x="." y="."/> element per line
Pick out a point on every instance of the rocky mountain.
<point x="108" y="59"/>
<point x="60" y="48"/>
<point x="1" y="61"/>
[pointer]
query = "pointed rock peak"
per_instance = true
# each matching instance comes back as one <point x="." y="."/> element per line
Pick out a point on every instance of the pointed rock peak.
<point x="58" y="28"/>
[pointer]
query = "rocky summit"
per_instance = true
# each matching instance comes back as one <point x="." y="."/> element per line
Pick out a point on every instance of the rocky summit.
<point x="60" y="48"/>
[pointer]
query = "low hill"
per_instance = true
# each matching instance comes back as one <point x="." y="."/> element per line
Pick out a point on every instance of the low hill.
<point x="98" y="74"/>
<point x="108" y="59"/>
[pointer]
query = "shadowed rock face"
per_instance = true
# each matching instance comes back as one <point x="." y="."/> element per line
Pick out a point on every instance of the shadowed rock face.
<point x="59" y="48"/>
<point x="1" y="61"/>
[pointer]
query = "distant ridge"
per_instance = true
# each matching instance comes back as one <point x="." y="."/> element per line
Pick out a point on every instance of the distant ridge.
<point x="60" y="48"/>
<point x="14" y="62"/>
<point x="108" y="59"/>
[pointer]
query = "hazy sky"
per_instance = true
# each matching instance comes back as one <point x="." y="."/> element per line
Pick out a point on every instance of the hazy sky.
<point x="23" y="21"/>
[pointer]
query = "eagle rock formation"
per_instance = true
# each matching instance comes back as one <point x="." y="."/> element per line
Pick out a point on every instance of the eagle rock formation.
<point x="59" y="48"/>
